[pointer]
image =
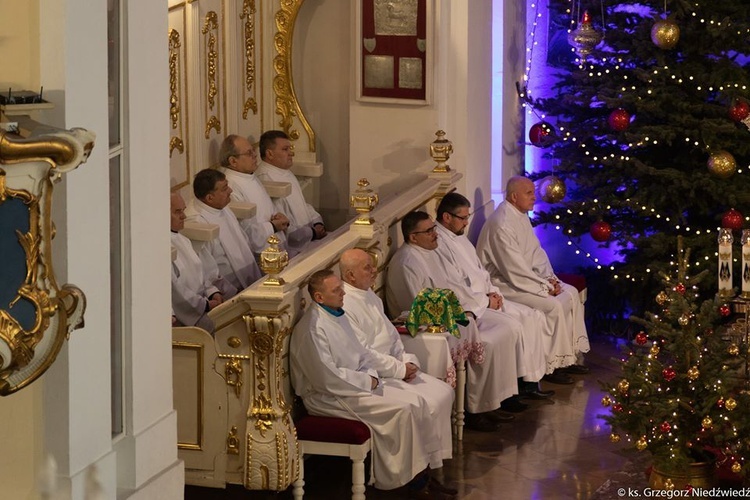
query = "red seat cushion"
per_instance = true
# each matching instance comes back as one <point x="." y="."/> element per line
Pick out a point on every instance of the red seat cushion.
<point x="332" y="430"/>
<point x="576" y="280"/>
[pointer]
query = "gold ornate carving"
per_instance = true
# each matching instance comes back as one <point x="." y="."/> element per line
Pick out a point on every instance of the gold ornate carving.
<point x="364" y="200"/>
<point x="174" y="78"/>
<point x="233" y="442"/>
<point x="234" y="342"/>
<point x="210" y="30"/>
<point x="212" y="123"/>
<point x="233" y="375"/>
<point x="287" y="105"/>
<point x="57" y="150"/>
<point x="176" y="143"/>
<point x="441" y="150"/>
<point x="263" y="413"/>
<point x="273" y="260"/>
<point x="248" y="14"/>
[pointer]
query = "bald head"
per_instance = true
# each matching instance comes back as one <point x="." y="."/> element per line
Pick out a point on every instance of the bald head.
<point x="357" y="268"/>
<point x="520" y="193"/>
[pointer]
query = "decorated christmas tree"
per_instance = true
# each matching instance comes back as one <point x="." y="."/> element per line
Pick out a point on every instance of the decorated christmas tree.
<point x="646" y="125"/>
<point x="682" y="396"/>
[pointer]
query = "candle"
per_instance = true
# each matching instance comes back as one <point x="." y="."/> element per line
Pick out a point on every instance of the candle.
<point x="745" y="270"/>
<point x="725" y="262"/>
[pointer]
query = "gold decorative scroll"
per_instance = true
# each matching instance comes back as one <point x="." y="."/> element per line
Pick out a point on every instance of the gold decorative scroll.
<point x="212" y="123"/>
<point x="287" y="105"/>
<point x="210" y="30"/>
<point x="174" y="75"/>
<point x="176" y="143"/>
<point x="248" y="14"/>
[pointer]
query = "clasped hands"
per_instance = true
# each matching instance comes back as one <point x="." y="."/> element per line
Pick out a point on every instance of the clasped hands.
<point x="279" y="221"/>
<point x="556" y="286"/>
<point x="496" y="301"/>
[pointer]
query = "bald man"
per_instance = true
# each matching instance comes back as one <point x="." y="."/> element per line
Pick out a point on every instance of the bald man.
<point x="520" y="268"/>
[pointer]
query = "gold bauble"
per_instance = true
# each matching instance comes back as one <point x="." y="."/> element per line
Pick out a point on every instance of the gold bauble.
<point x="733" y="349"/>
<point x="683" y="320"/>
<point x="693" y="373"/>
<point x="722" y="164"/>
<point x="615" y="438"/>
<point x="654" y="350"/>
<point x="606" y="401"/>
<point x="641" y="444"/>
<point x="623" y="386"/>
<point x="662" y="298"/>
<point x="552" y="189"/>
<point x="707" y="422"/>
<point x="668" y="484"/>
<point x="665" y="34"/>
<point x="736" y="468"/>
<point x="730" y="404"/>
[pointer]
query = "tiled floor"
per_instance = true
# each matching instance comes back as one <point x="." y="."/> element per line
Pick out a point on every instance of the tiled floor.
<point x="551" y="451"/>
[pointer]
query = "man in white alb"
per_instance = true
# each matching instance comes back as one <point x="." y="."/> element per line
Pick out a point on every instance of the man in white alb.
<point x="336" y="376"/>
<point x="415" y="266"/>
<point x="277" y="157"/>
<point x="193" y="292"/>
<point x="456" y="251"/>
<point x="520" y="268"/>
<point x="366" y="315"/>
<point x="239" y="162"/>
<point x="231" y="250"/>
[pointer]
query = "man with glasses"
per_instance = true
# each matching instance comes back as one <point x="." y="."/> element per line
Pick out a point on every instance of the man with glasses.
<point x="305" y="224"/>
<point x="415" y="266"/>
<point x="231" y="250"/>
<point x="520" y="268"/>
<point x="484" y="299"/>
<point x="239" y="161"/>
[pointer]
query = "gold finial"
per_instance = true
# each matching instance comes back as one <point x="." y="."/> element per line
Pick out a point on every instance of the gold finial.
<point x="364" y="201"/>
<point x="441" y="150"/>
<point x="273" y="260"/>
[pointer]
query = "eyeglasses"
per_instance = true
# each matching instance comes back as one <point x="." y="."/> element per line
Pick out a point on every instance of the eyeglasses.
<point x="462" y="217"/>
<point x="426" y="231"/>
<point x="251" y="153"/>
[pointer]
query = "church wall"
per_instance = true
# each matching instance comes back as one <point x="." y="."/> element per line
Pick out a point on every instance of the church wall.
<point x="19" y="45"/>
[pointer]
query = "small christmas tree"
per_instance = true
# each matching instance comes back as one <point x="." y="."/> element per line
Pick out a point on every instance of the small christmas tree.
<point x="682" y="394"/>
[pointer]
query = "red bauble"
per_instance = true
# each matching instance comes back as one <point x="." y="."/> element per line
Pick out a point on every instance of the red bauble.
<point x="617" y="407"/>
<point x="600" y="231"/>
<point x="732" y="219"/>
<point x="619" y="120"/>
<point x="739" y="110"/>
<point x="720" y="403"/>
<point x="665" y="427"/>
<point x="724" y="310"/>
<point x="641" y="338"/>
<point x="668" y="373"/>
<point x="680" y="288"/>
<point x="541" y="134"/>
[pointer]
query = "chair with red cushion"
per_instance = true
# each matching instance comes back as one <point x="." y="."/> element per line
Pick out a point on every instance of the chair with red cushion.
<point x="333" y="436"/>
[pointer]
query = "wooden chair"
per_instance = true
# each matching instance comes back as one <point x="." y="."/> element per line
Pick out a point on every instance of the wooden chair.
<point x="333" y="436"/>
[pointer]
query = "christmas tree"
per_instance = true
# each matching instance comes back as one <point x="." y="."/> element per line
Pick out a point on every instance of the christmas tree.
<point x="645" y="130"/>
<point x="683" y="388"/>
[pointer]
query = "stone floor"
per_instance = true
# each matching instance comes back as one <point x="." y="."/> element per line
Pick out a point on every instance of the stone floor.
<point x="551" y="451"/>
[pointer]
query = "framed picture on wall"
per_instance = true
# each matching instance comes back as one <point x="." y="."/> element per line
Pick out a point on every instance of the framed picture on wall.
<point x="394" y="51"/>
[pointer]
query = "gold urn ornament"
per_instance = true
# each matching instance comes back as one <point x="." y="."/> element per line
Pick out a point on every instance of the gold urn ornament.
<point x="364" y="200"/>
<point x="441" y="150"/>
<point x="273" y="260"/>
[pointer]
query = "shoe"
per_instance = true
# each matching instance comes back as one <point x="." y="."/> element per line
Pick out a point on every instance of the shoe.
<point x="499" y="417"/>
<point x="576" y="370"/>
<point x="436" y="485"/>
<point x="513" y="405"/>
<point x="537" y="394"/>
<point x="429" y="493"/>
<point x="480" y="422"/>
<point x="558" y="377"/>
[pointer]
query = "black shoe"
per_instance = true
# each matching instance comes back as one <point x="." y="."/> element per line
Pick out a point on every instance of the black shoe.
<point x="480" y="422"/>
<point x="513" y="405"/>
<point x="558" y="377"/>
<point x="436" y="485"/>
<point x="499" y="417"/>
<point x="537" y="394"/>
<point x="576" y="370"/>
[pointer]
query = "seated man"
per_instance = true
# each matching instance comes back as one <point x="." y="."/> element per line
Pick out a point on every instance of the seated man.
<point x="239" y="161"/>
<point x="193" y="293"/>
<point x="456" y="251"/>
<point x="416" y="265"/>
<point x="336" y="376"/>
<point x="231" y="250"/>
<point x="365" y="312"/>
<point x="520" y="268"/>
<point x="305" y="224"/>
